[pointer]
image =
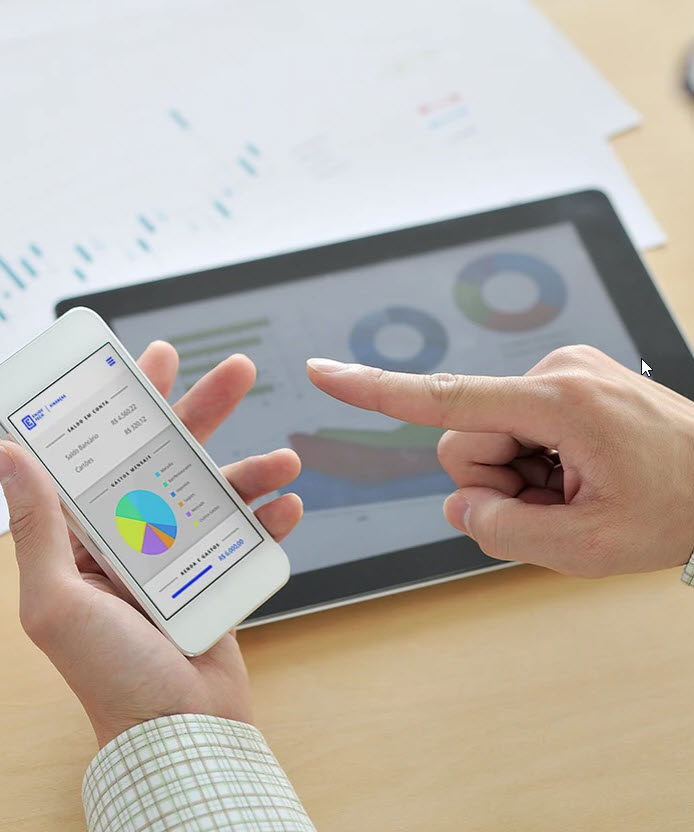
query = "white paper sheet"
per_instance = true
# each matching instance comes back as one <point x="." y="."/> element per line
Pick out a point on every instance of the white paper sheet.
<point x="516" y="53"/>
<point x="135" y="155"/>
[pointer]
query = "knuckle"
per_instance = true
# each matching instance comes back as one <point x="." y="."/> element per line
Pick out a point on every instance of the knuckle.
<point x="455" y="458"/>
<point x="22" y="526"/>
<point x="383" y="386"/>
<point x="443" y="444"/>
<point x="591" y="405"/>
<point x="577" y="389"/>
<point x="572" y="355"/>
<point x="583" y="354"/>
<point x="572" y="386"/>
<point x="447" y="446"/>
<point x="446" y="391"/>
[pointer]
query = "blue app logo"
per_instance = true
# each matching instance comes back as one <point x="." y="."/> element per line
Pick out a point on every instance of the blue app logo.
<point x="28" y="422"/>
<point x="111" y="361"/>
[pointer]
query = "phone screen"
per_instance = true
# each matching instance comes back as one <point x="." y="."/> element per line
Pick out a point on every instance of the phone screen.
<point x="127" y="467"/>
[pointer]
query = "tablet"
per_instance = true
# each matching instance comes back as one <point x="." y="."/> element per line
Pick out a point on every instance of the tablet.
<point x="485" y="294"/>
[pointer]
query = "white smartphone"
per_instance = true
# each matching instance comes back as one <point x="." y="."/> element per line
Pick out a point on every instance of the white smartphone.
<point x="138" y="490"/>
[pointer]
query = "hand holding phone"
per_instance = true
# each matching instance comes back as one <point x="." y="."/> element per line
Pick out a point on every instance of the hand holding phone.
<point x="122" y="668"/>
<point x="138" y="490"/>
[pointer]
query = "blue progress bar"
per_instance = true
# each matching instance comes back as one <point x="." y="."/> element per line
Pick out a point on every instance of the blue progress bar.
<point x="27" y="265"/>
<point x="178" y="118"/>
<point x="37" y="251"/>
<point x="145" y="223"/>
<point x="143" y="245"/>
<point x="83" y="253"/>
<point x="3" y="317"/>
<point x="252" y="148"/>
<point x="80" y="273"/>
<point x="192" y="581"/>
<point x="15" y="277"/>
<point x="221" y="207"/>
<point x="247" y="166"/>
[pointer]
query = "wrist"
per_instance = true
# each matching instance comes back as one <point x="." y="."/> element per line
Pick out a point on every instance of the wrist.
<point x="107" y="731"/>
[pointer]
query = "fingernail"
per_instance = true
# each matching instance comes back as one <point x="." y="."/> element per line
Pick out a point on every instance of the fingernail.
<point x="325" y="365"/>
<point x="465" y="509"/>
<point x="7" y="469"/>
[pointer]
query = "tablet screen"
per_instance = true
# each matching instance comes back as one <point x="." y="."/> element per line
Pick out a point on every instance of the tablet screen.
<point x="370" y="484"/>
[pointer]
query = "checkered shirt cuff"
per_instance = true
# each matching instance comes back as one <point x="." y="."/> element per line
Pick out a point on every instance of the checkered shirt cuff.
<point x="190" y="772"/>
<point x="687" y="576"/>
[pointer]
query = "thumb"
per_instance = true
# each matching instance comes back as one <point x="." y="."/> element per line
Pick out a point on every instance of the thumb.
<point x="42" y="545"/>
<point x="507" y="528"/>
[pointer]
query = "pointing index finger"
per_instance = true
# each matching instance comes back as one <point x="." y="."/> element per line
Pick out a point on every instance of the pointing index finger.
<point x="497" y="404"/>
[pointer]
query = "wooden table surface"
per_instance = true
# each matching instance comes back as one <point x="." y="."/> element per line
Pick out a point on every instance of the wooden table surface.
<point x="519" y="700"/>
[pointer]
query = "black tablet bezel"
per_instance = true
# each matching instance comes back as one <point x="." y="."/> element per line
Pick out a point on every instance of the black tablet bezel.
<point x="638" y="302"/>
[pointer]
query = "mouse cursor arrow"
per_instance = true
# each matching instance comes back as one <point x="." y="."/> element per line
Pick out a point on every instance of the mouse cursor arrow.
<point x="645" y="369"/>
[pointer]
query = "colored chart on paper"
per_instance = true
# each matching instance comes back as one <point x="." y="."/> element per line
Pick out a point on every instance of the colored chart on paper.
<point x="146" y="522"/>
<point x="550" y="287"/>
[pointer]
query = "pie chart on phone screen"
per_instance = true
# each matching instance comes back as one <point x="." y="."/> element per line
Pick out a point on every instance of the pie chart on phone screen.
<point x="146" y="522"/>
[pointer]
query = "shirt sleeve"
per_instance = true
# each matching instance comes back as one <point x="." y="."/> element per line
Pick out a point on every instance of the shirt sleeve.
<point x="687" y="576"/>
<point x="190" y="772"/>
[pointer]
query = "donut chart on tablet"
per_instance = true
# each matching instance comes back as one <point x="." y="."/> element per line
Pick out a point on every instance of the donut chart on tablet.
<point x="362" y="339"/>
<point x="550" y="286"/>
<point x="146" y="522"/>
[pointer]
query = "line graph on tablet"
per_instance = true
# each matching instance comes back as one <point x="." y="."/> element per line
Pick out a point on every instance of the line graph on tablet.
<point x="344" y="467"/>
